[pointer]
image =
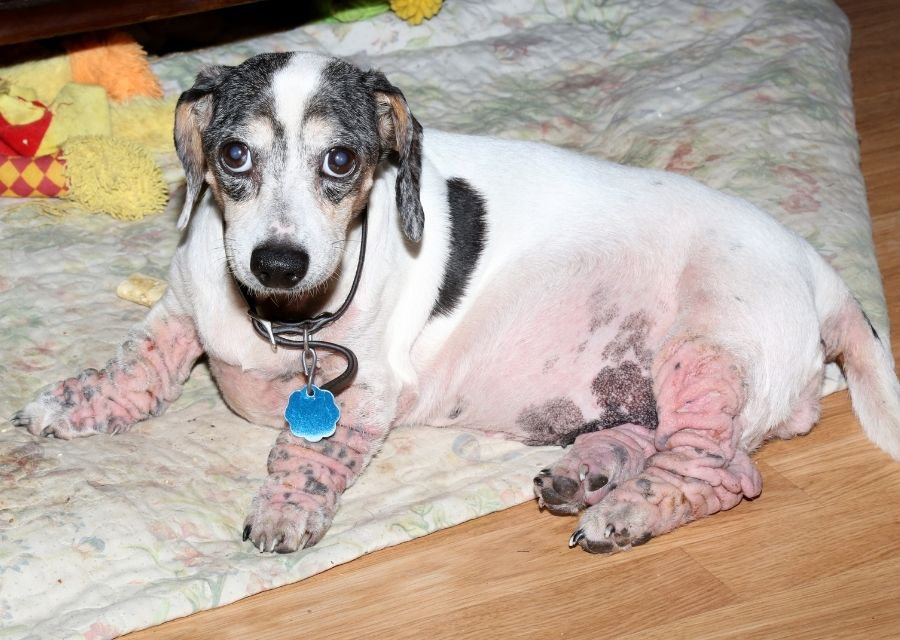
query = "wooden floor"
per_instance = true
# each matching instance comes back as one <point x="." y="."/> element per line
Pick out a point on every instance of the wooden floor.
<point x="816" y="556"/>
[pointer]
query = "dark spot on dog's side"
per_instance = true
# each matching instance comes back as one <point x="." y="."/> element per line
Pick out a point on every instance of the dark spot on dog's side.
<point x="468" y="235"/>
<point x="549" y="364"/>
<point x="601" y="313"/>
<point x="582" y="346"/>
<point x="587" y="427"/>
<point x="603" y="318"/>
<point x="625" y="394"/>
<point x="632" y="336"/>
<point x="677" y="366"/>
<point x="455" y="412"/>
<point x="551" y="422"/>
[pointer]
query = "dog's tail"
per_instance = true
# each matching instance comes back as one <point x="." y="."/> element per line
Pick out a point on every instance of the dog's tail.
<point x="868" y="365"/>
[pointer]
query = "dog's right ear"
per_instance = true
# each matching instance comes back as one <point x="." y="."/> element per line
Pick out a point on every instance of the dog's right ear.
<point x="402" y="133"/>
<point x="192" y="115"/>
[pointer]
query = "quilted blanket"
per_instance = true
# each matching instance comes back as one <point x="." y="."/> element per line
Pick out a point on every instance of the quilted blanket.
<point x="105" y="535"/>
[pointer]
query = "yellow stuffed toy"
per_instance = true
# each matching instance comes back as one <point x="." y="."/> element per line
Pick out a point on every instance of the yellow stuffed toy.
<point x="415" y="11"/>
<point x="82" y="126"/>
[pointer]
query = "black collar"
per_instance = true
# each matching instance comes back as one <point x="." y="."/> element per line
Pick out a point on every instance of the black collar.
<point x="296" y="335"/>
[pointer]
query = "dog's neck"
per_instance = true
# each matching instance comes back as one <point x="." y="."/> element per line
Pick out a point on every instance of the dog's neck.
<point x="299" y="334"/>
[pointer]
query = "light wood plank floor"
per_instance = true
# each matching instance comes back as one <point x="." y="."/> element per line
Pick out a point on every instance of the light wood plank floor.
<point x="816" y="556"/>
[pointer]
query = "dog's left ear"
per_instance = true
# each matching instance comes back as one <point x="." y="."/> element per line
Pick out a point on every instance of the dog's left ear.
<point x="192" y="115"/>
<point x="402" y="133"/>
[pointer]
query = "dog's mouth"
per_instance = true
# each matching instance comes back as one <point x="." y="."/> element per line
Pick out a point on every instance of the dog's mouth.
<point x="295" y="304"/>
<point x="283" y="306"/>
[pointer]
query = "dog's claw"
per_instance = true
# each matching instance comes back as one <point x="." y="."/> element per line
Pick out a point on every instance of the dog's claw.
<point x="539" y="478"/>
<point x="582" y="472"/>
<point x="577" y="537"/>
<point x="19" y="419"/>
<point x="303" y="541"/>
<point x="246" y="535"/>
<point x="610" y="529"/>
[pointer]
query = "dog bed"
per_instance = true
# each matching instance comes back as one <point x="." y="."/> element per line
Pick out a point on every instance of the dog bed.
<point x="105" y="535"/>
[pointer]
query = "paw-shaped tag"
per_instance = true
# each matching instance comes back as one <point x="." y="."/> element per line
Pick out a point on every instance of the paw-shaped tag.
<point x="312" y="417"/>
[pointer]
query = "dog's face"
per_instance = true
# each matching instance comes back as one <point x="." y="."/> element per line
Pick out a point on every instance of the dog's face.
<point x="289" y="145"/>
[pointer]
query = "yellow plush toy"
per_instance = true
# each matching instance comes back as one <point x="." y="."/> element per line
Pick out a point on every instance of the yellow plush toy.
<point x="415" y="11"/>
<point x="82" y="126"/>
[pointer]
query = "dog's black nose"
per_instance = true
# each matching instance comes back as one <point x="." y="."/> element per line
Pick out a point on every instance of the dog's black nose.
<point x="279" y="266"/>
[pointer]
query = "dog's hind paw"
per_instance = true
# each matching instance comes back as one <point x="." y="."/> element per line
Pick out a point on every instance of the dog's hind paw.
<point x="596" y="463"/>
<point x="612" y="526"/>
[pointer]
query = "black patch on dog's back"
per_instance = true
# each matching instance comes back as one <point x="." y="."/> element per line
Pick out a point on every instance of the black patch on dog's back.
<point x="468" y="233"/>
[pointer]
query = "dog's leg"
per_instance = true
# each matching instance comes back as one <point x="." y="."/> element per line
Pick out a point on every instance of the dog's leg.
<point x="141" y="381"/>
<point x="699" y="468"/>
<point x="295" y="505"/>
<point x="595" y="465"/>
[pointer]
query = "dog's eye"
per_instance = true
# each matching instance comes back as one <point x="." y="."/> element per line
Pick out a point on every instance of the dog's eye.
<point x="339" y="162"/>
<point x="236" y="157"/>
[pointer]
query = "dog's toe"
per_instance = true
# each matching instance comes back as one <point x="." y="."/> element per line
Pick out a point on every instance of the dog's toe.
<point x="35" y="419"/>
<point x="612" y="526"/>
<point x="21" y="419"/>
<point x="283" y="527"/>
<point x="565" y="490"/>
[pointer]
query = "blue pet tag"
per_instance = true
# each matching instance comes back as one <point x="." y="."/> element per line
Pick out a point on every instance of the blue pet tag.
<point x="312" y="416"/>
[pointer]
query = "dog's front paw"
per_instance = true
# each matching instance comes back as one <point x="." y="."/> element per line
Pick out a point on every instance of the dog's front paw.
<point x="78" y="407"/>
<point x="283" y="526"/>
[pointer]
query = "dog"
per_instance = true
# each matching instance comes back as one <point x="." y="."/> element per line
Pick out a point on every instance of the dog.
<point x="662" y="329"/>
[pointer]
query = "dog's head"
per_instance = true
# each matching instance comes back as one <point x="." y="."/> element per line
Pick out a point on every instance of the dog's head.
<point x="289" y="145"/>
